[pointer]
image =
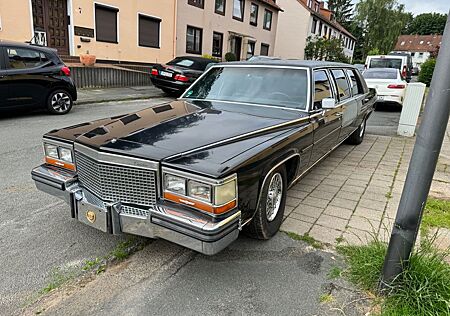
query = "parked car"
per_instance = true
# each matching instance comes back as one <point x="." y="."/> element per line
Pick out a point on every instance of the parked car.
<point x="35" y="77"/>
<point x="178" y="74"/>
<point x="397" y="61"/>
<point x="197" y="170"/>
<point x="409" y="64"/>
<point x="388" y="83"/>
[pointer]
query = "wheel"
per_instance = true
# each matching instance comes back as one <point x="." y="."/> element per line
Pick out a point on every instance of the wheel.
<point x="269" y="214"/>
<point x="59" y="102"/>
<point x="357" y="137"/>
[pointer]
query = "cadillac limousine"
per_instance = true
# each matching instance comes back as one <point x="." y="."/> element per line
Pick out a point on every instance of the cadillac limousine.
<point x="198" y="170"/>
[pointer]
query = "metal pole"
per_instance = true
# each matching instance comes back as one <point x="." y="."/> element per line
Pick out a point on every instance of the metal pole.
<point x="422" y="166"/>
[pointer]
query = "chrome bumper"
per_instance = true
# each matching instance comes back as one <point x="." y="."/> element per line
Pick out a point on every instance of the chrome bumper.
<point x="169" y="221"/>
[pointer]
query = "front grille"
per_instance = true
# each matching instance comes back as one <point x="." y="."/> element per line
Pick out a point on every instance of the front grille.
<point x="116" y="182"/>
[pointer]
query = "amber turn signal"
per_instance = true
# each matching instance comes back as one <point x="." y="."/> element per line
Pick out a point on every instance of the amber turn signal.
<point x="200" y="205"/>
<point x="59" y="163"/>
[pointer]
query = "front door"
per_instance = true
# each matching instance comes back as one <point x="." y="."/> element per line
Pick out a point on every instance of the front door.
<point x="237" y="47"/>
<point x="50" y="16"/>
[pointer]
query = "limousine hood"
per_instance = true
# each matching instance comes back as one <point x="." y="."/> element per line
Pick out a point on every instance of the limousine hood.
<point x="169" y="130"/>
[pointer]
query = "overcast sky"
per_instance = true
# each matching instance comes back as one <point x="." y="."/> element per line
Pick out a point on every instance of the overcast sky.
<point x="425" y="6"/>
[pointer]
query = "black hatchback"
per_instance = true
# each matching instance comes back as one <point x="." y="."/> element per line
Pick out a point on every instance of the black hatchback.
<point x="36" y="77"/>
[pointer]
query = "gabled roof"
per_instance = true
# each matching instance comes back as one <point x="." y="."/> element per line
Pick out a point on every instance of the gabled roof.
<point x="271" y="3"/>
<point x="418" y="43"/>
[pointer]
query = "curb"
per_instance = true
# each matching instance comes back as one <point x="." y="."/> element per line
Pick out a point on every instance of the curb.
<point x="82" y="102"/>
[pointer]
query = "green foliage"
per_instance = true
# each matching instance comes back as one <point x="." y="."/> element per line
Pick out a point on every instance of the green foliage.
<point x="374" y="51"/>
<point x="326" y="298"/>
<point x="306" y="238"/>
<point x="319" y="48"/>
<point x="381" y="22"/>
<point x="342" y="10"/>
<point x="423" y="288"/>
<point x="335" y="273"/>
<point x="427" y="24"/>
<point x="230" y="56"/>
<point x="436" y="214"/>
<point x="207" y="56"/>
<point x="426" y="71"/>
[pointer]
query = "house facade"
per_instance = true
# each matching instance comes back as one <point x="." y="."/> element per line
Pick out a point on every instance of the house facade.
<point x="419" y="47"/>
<point x="304" y="18"/>
<point x="215" y="27"/>
<point x="115" y="30"/>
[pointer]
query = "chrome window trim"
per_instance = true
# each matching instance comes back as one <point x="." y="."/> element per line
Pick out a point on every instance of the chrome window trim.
<point x="308" y="85"/>
<point x="252" y="104"/>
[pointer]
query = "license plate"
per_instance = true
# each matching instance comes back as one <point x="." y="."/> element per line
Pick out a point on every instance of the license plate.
<point x="92" y="215"/>
<point x="165" y="74"/>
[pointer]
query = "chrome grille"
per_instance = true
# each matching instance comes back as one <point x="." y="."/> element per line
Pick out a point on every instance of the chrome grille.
<point x="116" y="182"/>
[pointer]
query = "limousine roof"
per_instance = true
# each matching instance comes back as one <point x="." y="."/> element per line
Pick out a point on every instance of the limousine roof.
<point x="313" y="64"/>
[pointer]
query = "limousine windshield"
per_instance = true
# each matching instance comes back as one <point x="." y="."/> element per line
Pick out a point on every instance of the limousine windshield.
<point x="284" y="87"/>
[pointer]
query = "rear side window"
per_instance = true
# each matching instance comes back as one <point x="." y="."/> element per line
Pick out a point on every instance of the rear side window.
<point x="386" y="63"/>
<point x="355" y="82"/>
<point x="379" y="74"/>
<point x="322" y="88"/>
<point x="22" y="58"/>
<point x="341" y="84"/>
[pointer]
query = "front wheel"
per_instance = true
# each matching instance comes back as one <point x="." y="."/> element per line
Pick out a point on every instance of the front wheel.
<point x="269" y="214"/>
<point x="357" y="136"/>
<point x="59" y="102"/>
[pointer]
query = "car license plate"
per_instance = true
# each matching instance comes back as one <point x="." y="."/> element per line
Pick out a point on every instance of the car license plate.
<point x="165" y="74"/>
<point x="92" y="215"/>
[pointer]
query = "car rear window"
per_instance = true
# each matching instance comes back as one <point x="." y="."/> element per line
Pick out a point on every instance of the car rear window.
<point x="379" y="74"/>
<point x="258" y="85"/>
<point x="189" y="63"/>
<point x="386" y="63"/>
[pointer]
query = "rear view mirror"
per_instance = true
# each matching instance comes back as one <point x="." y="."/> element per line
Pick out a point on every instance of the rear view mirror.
<point x="328" y="103"/>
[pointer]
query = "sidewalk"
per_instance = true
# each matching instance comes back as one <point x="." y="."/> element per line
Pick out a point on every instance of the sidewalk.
<point x="354" y="193"/>
<point x="86" y="96"/>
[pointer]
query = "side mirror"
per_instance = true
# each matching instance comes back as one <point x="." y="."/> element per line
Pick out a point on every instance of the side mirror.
<point x="328" y="103"/>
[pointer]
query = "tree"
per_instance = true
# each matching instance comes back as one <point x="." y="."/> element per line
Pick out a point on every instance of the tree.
<point x="427" y="24"/>
<point x="426" y="71"/>
<point x="319" y="48"/>
<point x="342" y="10"/>
<point x="381" y="22"/>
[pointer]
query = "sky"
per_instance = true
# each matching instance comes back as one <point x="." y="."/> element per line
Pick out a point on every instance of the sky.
<point x="424" y="6"/>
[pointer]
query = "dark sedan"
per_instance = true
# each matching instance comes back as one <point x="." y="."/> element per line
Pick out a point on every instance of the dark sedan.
<point x="35" y="77"/>
<point x="178" y="74"/>
<point x="220" y="159"/>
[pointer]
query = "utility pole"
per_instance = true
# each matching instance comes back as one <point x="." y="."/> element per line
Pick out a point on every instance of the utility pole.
<point x="422" y="166"/>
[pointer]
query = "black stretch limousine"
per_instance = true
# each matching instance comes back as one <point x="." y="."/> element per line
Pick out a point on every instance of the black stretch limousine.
<point x="197" y="170"/>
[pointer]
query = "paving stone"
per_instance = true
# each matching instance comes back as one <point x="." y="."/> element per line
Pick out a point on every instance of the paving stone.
<point x="333" y="182"/>
<point x="315" y="202"/>
<point x="354" y="196"/>
<point x="302" y="187"/>
<point x="338" y="212"/>
<point x="295" y="226"/>
<point x="343" y="203"/>
<point x="332" y="222"/>
<point x="375" y="196"/>
<point x="380" y="183"/>
<point x="368" y="213"/>
<point x="308" y="210"/>
<point x="366" y="224"/>
<point x="303" y="217"/>
<point x="328" y="188"/>
<point x="324" y="195"/>
<point x="356" y="237"/>
<point x="288" y="210"/>
<point x="325" y="234"/>
<point x="297" y="194"/>
<point x="373" y="204"/>
<point x="290" y="201"/>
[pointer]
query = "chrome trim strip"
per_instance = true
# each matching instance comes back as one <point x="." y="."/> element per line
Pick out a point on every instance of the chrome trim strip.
<point x="115" y="159"/>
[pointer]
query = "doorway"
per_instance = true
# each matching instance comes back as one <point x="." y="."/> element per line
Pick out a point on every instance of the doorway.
<point x="236" y="46"/>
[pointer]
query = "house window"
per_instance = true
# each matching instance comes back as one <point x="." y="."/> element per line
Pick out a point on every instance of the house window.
<point x="197" y="3"/>
<point x="217" y="44"/>
<point x="264" y="49"/>
<point x="325" y="30"/>
<point x="250" y="49"/>
<point x="314" y="25"/>
<point x="254" y="14"/>
<point x="402" y="43"/>
<point x="420" y="55"/>
<point x="149" y="28"/>
<point x="316" y="7"/>
<point x="238" y="9"/>
<point x="106" y="24"/>
<point x="194" y="40"/>
<point x="320" y="28"/>
<point x="267" y="20"/>
<point x="309" y="3"/>
<point x="220" y="7"/>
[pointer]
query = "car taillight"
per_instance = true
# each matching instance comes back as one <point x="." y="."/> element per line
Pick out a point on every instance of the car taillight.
<point x="396" y="86"/>
<point x="154" y="72"/>
<point x="65" y="71"/>
<point x="181" y="78"/>
<point x="404" y="72"/>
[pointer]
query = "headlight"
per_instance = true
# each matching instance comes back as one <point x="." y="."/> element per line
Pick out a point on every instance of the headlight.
<point x="65" y="154"/>
<point x="175" y="184"/>
<point x="225" y="193"/>
<point x="199" y="190"/>
<point x="51" y="151"/>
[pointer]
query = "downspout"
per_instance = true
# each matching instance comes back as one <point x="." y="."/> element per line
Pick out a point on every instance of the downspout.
<point x="174" y="29"/>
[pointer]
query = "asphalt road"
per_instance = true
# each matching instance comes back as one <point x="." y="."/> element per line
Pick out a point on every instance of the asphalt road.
<point x="384" y="121"/>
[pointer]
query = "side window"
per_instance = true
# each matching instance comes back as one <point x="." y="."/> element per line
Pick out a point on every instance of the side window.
<point x="341" y="84"/>
<point x="322" y="88"/>
<point x="22" y="58"/>
<point x="357" y="87"/>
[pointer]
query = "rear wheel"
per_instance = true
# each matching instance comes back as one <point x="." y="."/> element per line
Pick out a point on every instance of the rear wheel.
<point x="59" y="102"/>
<point x="269" y="215"/>
<point x="357" y="137"/>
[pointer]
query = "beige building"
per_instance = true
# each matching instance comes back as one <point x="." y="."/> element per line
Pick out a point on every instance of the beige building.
<point x="215" y="27"/>
<point x="116" y="30"/>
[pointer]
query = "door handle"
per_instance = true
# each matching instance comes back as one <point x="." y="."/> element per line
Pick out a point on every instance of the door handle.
<point x="338" y="114"/>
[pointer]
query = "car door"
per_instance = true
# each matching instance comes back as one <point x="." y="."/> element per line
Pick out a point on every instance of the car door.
<point x="327" y="123"/>
<point x="3" y="80"/>
<point x="27" y="81"/>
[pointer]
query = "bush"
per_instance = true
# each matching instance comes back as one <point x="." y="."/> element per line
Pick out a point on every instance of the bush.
<point x="426" y="71"/>
<point x="207" y="56"/>
<point x="230" y="56"/>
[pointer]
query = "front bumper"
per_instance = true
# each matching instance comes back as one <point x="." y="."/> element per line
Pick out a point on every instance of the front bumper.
<point x="168" y="221"/>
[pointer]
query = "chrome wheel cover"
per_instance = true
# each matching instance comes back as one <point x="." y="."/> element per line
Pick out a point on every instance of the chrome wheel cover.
<point x="60" y="102"/>
<point x="362" y="127"/>
<point x="274" y="196"/>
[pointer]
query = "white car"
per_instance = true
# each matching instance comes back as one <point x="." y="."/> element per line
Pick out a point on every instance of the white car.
<point x="388" y="82"/>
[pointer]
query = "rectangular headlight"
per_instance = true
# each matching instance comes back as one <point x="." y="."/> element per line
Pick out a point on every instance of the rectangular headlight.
<point x="225" y="193"/>
<point x="199" y="190"/>
<point x="51" y="151"/>
<point x="65" y="154"/>
<point x="175" y="184"/>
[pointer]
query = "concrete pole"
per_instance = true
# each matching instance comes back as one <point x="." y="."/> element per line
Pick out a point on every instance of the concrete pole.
<point x="422" y="166"/>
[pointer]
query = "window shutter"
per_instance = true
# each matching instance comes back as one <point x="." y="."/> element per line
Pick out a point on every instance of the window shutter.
<point x="105" y="24"/>
<point x="149" y="31"/>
